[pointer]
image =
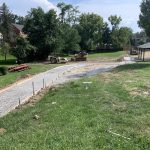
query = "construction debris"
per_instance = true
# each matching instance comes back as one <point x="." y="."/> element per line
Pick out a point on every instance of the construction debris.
<point x="18" y="68"/>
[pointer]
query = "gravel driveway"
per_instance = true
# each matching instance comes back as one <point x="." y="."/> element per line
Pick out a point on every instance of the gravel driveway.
<point x="22" y="91"/>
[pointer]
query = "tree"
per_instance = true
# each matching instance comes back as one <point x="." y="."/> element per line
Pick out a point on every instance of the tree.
<point x="106" y="36"/>
<point x="68" y="14"/>
<point x="5" y="21"/>
<point x="23" y="51"/>
<point x="71" y="38"/>
<point x="43" y="30"/>
<point x="5" y="49"/>
<point x="115" y="21"/>
<point x="90" y="29"/>
<point x="121" y="37"/>
<point x="125" y="35"/>
<point x="144" y="18"/>
<point x="17" y="19"/>
<point x="64" y="8"/>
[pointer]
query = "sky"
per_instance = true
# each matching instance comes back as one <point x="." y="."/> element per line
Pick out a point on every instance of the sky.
<point x="129" y="10"/>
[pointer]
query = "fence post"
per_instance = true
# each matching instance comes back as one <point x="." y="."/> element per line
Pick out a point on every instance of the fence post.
<point x="33" y="88"/>
<point x="43" y="83"/>
<point x="19" y="102"/>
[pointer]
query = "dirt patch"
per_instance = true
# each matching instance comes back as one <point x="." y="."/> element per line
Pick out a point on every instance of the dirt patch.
<point x="119" y="106"/>
<point x="2" y="131"/>
<point x="33" y="100"/>
<point x="25" y="76"/>
<point x="105" y="77"/>
<point x="140" y="92"/>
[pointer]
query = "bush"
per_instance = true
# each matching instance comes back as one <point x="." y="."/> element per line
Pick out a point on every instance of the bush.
<point x="3" y="70"/>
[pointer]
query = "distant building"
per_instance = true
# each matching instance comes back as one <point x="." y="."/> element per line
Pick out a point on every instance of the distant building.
<point x="16" y="30"/>
<point x="140" y="38"/>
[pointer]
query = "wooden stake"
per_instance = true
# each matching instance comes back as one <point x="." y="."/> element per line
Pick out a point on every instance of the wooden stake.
<point x="33" y="88"/>
<point x="19" y="102"/>
<point x="43" y="83"/>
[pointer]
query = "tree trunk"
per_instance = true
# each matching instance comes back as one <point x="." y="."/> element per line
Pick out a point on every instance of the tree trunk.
<point x="5" y="56"/>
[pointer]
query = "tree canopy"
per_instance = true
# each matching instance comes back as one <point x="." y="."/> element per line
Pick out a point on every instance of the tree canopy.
<point x="50" y="33"/>
<point x="144" y="18"/>
<point x="90" y="29"/>
<point x="5" y="22"/>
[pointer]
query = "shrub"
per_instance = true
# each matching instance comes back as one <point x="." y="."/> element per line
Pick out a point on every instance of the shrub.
<point x="3" y="70"/>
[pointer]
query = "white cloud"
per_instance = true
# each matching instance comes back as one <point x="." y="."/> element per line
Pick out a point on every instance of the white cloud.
<point x="21" y="7"/>
<point x="127" y="9"/>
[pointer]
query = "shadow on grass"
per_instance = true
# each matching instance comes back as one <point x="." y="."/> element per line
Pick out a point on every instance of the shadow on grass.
<point x="8" y="62"/>
<point x="135" y="66"/>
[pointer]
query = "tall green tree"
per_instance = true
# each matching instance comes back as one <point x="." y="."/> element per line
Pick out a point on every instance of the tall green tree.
<point x="64" y="8"/>
<point x="125" y="36"/>
<point x="115" y="21"/>
<point x="119" y="37"/>
<point x="68" y="13"/>
<point x="144" y="18"/>
<point x="90" y="29"/>
<point x="5" y="50"/>
<point x="17" y="19"/>
<point x="71" y="38"/>
<point x="23" y="51"/>
<point x="5" y="22"/>
<point x="106" y="35"/>
<point x="42" y="29"/>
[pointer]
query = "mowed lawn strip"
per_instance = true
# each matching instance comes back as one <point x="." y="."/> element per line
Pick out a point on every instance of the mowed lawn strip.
<point x="112" y="114"/>
<point x="107" y="56"/>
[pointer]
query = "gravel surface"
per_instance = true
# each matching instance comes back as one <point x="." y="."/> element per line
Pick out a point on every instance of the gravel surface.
<point x="22" y="91"/>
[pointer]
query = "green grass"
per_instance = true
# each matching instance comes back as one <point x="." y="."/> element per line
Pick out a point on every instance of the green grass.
<point x="10" y="60"/>
<point x="81" y="119"/>
<point x="8" y="57"/>
<point x="107" y="56"/>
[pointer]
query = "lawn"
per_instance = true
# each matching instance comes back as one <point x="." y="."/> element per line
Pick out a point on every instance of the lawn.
<point x="107" y="56"/>
<point x="113" y="114"/>
<point x="13" y="77"/>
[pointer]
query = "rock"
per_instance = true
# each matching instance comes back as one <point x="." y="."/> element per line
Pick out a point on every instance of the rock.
<point x="36" y="117"/>
<point x="53" y="103"/>
<point x="146" y="93"/>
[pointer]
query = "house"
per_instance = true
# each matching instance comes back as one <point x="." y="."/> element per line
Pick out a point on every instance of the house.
<point x="140" y="38"/>
<point x="16" y="30"/>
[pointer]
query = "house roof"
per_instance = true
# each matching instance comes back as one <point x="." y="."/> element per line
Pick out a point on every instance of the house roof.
<point x="18" y="26"/>
<point x="145" y="46"/>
